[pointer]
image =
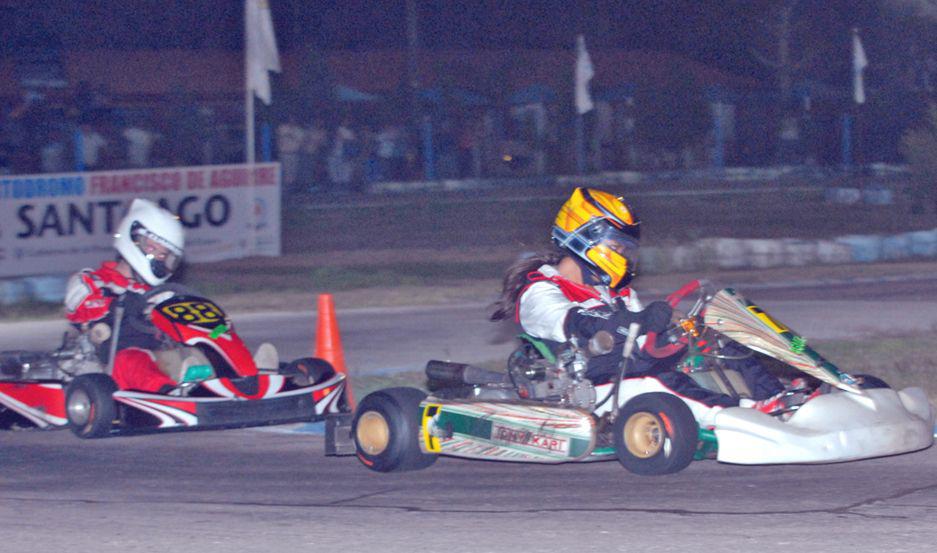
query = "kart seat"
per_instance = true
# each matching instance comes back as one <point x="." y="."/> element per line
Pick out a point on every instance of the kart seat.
<point x="732" y="384"/>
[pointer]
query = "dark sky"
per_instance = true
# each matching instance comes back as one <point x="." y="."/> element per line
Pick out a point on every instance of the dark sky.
<point x="718" y="33"/>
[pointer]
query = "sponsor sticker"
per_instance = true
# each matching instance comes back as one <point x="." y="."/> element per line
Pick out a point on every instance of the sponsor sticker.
<point x="516" y="436"/>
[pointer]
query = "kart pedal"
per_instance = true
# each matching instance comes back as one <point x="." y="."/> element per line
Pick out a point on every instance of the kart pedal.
<point x="338" y="440"/>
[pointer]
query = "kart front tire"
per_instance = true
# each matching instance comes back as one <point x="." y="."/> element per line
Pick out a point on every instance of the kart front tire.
<point x="655" y="433"/>
<point x="90" y="406"/>
<point x="386" y="431"/>
<point x="869" y="382"/>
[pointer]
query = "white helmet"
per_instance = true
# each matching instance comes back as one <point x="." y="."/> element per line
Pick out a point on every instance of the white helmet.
<point x="151" y="240"/>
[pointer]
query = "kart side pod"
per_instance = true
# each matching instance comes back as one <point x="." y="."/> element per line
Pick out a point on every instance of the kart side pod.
<point x="506" y="432"/>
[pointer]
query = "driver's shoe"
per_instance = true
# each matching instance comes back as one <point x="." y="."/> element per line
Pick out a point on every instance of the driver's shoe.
<point x="267" y="357"/>
<point x="774" y="405"/>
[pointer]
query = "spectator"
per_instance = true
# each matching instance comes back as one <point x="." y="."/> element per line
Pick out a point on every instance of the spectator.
<point x="184" y="127"/>
<point x="447" y="162"/>
<point x="342" y="157"/>
<point x="289" y="141"/>
<point x="52" y="154"/>
<point x="5" y="165"/>
<point x="312" y="155"/>
<point x="139" y="143"/>
<point x="390" y="152"/>
<point x="92" y="146"/>
<point x="470" y="149"/>
<point x="367" y="157"/>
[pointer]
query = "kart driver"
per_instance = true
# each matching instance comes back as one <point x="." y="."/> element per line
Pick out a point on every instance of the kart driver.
<point x="149" y="242"/>
<point x="582" y="287"/>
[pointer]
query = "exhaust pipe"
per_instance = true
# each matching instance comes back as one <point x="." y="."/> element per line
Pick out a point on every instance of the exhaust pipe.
<point x="459" y="374"/>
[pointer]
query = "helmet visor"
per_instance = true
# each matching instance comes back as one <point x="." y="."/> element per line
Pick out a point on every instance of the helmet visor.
<point x="603" y="234"/>
<point x="611" y="251"/>
<point x="164" y="258"/>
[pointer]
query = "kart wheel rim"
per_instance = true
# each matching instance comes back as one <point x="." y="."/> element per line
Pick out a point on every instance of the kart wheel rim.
<point x="372" y="433"/>
<point x="644" y="435"/>
<point x="79" y="407"/>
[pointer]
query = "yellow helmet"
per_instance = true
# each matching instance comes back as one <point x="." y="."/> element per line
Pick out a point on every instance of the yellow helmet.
<point x="602" y="232"/>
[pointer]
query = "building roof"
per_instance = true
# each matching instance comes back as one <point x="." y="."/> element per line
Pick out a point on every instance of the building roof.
<point x="219" y="73"/>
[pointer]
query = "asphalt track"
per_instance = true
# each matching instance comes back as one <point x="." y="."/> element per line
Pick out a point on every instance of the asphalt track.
<point x="265" y="490"/>
<point x="388" y="340"/>
<point x="248" y="490"/>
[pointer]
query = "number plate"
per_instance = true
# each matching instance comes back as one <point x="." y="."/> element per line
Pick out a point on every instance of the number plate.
<point x="193" y="312"/>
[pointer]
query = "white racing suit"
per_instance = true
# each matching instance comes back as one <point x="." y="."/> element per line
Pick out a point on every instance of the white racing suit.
<point x="555" y="309"/>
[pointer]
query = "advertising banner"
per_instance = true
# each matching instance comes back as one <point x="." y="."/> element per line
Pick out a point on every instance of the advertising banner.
<point x="59" y="223"/>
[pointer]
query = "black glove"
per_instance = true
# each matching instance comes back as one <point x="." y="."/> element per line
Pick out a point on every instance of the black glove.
<point x="584" y="323"/>
<point x="656" y="317"/>
<point x="135" y="305"/>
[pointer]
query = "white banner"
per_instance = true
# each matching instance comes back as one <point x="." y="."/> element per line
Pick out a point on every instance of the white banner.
<point x="55" y="224"/>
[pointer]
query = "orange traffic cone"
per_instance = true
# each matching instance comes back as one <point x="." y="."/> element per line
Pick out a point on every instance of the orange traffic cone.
<point x="329" y="343"/>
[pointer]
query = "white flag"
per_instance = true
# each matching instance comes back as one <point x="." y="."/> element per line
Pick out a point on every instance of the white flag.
<point x="859" y="63"/>
<point x="261" y="47"/>
<point x="584" y="74"/>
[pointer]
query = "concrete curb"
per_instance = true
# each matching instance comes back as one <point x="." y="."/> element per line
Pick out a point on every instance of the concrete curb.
<point x="704" y="254"/>
<point x="740" y="253"/>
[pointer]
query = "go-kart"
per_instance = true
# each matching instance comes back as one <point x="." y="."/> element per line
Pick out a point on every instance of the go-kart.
<point x="220" y="384"/>
<point x="544" y="410"/>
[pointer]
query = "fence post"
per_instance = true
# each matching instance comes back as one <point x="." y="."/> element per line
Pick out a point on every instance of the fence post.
<point x="847" y="140"/>
<point x="266" y="148"/>
<point x="79" y="152"/>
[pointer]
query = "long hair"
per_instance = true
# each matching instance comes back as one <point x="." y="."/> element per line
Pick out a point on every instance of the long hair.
<point x="515" y="280"/>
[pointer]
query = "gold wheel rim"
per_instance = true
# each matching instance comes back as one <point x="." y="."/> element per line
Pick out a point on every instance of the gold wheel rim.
<point x="372" y="433"/>
<point x="644" y="435"/>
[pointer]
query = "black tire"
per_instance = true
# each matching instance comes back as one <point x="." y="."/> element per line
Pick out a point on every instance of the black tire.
<point x="307" y="371"/>
<point x="89" y="405"/>
<point x="386" y="431"/>
<point x="655" y="433"/>
<point x="868" y="382"/>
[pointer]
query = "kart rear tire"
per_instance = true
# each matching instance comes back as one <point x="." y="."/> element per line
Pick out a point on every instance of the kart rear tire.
<point x="90" y="406"/>
<point x="655" y="433"/>
<point x="386" y="431"/>
<point x="307" y="371"/>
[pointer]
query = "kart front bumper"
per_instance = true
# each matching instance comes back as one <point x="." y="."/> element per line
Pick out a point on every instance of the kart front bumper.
<point x="835" y="427"/>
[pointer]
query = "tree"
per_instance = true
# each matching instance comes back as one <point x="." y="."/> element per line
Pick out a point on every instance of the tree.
<point x="316" y="84"/>
<point x="776" y="50"/>
<point x="919" y="146"/>
<point x="672" y="114"/>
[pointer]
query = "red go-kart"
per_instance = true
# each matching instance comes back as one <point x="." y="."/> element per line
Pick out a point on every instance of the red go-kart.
<point x="220" y="383"/>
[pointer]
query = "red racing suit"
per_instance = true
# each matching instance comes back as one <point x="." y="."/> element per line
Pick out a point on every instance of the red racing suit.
<point x="91" y="297"/>
<point x="554" y="309"/>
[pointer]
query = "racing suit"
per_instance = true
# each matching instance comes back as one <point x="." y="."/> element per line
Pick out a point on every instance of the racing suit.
<point x="91" y="298"/>
<point x="555" y="309"/>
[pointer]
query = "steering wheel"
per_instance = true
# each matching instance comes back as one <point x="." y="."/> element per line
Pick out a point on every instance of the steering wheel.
<point x="144" y="324"/>
<point x="686" y="326"/>
<point x="175" y="288"/>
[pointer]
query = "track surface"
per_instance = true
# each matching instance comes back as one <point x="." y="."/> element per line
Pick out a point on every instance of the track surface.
<point x="253" y="490"/>
<point x="249" y="490"/>
<point x="401" y="339"/>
